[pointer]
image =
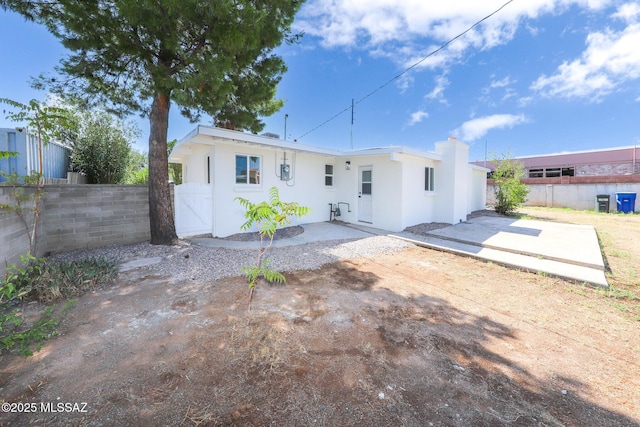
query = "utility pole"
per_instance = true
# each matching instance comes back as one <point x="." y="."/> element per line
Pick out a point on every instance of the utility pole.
<point x="352" y="107"/>
<point x="485" y="153"/>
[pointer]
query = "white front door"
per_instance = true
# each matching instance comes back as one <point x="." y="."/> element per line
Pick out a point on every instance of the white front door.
<point x="365" y="210"/>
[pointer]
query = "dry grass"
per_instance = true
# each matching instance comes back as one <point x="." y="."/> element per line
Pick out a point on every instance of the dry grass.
<point x="619" y="236"/>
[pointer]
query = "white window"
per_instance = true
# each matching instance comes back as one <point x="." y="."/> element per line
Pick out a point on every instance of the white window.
<point x="328" y="175"/>
<point x="248" y="170"/>
<point x="429" y="173"/>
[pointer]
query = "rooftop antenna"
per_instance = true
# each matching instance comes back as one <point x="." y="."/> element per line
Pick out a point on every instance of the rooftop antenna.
<point x="352" y="107"/>
<point x="286" y="116"/>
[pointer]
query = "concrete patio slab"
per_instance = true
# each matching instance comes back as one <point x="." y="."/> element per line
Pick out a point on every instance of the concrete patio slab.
<point x="561" y="250"/>
<point x="568" y="243"/>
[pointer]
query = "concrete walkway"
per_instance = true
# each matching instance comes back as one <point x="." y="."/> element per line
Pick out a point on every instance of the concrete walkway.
<point x="561" y="250"/>
<point x="314" y="232"/>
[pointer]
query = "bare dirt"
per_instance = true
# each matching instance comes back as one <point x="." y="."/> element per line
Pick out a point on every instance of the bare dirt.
<point x="415" y="338"/>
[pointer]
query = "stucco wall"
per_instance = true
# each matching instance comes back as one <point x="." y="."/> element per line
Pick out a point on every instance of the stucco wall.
<point x="306" y="186"/>
<point x="478" y="193"/>
<point x="386" y="191"/>
<point x="398" y="197"/>
<point x="418" y="205"/>
<point x="455" y="182"/>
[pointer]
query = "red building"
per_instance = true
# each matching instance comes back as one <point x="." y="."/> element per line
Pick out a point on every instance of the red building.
<point x="620" y="164"/>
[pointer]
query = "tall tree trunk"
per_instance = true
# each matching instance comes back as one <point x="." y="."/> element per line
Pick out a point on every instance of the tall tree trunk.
<point x="163" y="230"/>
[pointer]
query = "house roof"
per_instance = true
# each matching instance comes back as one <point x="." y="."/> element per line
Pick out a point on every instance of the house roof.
<point x="575" y="158"/>
<point x="208" y="135"/>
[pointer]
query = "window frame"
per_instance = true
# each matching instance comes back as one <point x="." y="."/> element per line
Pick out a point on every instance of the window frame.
<point x="535" y="173"/>
<point x="429" y="179"/>
<point x="552" y="172"/>
<point x="248" y="182"/>
<point x="328" y="175"/>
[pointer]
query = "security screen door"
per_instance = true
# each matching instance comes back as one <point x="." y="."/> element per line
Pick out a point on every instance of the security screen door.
<point x="365" y="210"/>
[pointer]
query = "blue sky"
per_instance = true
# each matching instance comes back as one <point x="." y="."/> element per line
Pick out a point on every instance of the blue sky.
<point x="539" y="76"/>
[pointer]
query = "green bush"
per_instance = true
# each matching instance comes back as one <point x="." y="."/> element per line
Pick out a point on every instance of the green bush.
<point x="38" y="280"/>
<point x="509" y="190"/>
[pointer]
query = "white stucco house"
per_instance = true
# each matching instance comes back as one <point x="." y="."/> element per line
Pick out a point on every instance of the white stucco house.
<point x="389" y="188"/>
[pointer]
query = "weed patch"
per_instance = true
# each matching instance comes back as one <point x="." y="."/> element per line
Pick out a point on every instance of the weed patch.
<point x="46" y="282"/>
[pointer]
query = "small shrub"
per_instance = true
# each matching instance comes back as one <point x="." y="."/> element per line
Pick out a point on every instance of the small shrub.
<point x="509" y="190"/>
<point x="267" y="217"/>
<point x="38" y="280"/>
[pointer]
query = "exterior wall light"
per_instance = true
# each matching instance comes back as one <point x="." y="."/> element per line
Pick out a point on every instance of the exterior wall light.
<point x="347" y="165"/>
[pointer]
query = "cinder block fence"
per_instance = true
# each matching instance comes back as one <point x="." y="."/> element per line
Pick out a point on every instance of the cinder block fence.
<point x="575" y="192"/>
<point x="76" y="217"/>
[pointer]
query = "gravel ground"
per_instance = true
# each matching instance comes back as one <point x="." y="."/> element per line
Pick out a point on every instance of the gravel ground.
<point x="187" y="261"/>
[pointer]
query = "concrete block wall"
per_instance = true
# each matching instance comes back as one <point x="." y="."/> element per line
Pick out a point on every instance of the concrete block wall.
<point x="89" y="216"/>
<point x="575" y="196"/>
<point x="76" y="217"/>
<point x="13" y="234"/>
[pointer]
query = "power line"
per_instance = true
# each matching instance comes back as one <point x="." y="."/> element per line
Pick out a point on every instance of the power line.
<point x="406" y="70"/>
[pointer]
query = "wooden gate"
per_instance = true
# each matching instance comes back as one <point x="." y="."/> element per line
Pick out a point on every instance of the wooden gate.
<point x="194" y="209"/>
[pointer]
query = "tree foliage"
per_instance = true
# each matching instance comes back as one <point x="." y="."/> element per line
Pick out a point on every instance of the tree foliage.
<point x="507" y="185"/>
<point x="140" y="56"/>
<point x="175" y="169"/>
<point x="267" y="216"/>
<point x="100" y="146"/>
<point x="137" y="169"/>
<point x="45" y="120"/>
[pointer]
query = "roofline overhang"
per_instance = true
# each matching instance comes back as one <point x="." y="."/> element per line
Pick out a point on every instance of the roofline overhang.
<point x="219" y="135"/>
<point x="479" y="168"/>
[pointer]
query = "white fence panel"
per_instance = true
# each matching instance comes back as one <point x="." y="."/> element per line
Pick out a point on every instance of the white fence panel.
<point x="194" y="209"/>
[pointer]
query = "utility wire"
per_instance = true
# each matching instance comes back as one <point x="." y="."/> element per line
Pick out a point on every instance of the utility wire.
<point x="406" y="70"/>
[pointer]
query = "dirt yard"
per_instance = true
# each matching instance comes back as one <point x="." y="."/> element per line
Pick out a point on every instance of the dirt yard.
<point x="415" y="338"/>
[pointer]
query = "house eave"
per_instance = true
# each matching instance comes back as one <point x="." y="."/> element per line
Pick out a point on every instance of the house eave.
<point x="225" y="135"/>
<point x="208" y="135"/>
<point x="479" y="168"/>
<point x="393" y="149"/>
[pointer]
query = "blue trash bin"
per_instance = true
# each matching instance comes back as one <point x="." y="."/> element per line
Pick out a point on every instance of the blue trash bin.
<point x="626" y="202"/>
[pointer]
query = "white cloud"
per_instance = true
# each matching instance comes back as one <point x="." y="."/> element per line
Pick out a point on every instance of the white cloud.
<point x="501" y="83"/>
<point x="629" y="12"/>
<point x="525" y="100"/>
<point x="404" y="82"/>
<point x="437" y="93"/>
<point x="406" y="31"/>
<point x="610" y="60"/>
<point x="476" y="128"/>
<point x="417" y="117"/>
